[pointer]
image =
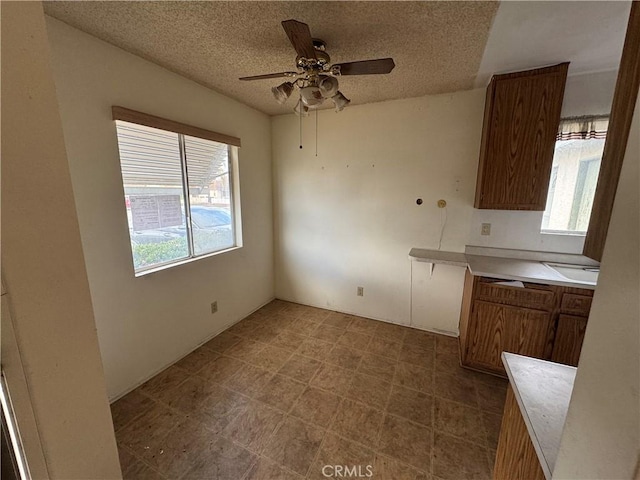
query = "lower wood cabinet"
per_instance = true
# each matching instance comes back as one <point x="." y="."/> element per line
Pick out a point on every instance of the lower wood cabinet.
<point x="495" y="328"/>
<point x="569" y="338"/>
<point x="516" y="457"/>
<point x="541" y="321"/>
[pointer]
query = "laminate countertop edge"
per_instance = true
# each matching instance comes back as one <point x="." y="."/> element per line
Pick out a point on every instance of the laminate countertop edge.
<point x="532" y="271"/>
<point x="543" y="391"/>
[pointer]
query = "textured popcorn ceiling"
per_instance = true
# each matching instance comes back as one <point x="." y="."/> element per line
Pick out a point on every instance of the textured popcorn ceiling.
<point x="437" y="46"/>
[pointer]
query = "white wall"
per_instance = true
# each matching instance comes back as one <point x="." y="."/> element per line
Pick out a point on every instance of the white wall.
<point x="601" y="437"/>
<point x="348" y="217"/>
<point x="149" y="322"/>
<point x="585" y="94"/>
<point x="50" y="331"/>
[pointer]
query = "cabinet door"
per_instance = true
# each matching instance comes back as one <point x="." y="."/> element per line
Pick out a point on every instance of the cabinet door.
<point x="502" y="328"/>
<point x="569" y="338"/>
<point x="518" y="141"/>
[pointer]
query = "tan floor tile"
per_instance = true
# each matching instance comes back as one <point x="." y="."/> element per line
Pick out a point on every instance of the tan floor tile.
<point x="363" y="325"/>
<point x="179" y="449"/>
<point x="246" y="350"/>
<point x="414" y="376"/>
<point x="316" y="315"/>
<point x="220" y="408"/>
<point x="327" y="333"/>
<point x="220" y="369"/>
<point x="356" y="340"/>
<point x="339" y="452"/>
<point x="265" y="333"/>
<point x="254" y="427"/>
<point x="294" y="445"/>
<point x="370" y="390"/>
<point x="139" y="471"/>
<point x="166" y="379"/>
<point x="288" y="340"/>
<point x="417" y="355"/>
<point x="300" y="368"/>
<point x="244" y="327"/>
<point x="265" y="469"/>
<point x="222" y="342"/>
<point x="273" y="306"/>
<point x="385" y="347"/>
<point x="454" y="459"/>
<point x="422" y="339"/>
<point x="271" y="358"/>
<point x="189" y="395"/>
<point x="337" y="320"/>
<point x="281" y="392"/>
<point x="344" y="357"/>
<point x="333" y="379"/>
<point x="222" y="460"/>
<point x="149" y="429"/>
<point x="491" y="398"/>
<point x="391" y="331"/>
<point x="296" y="309"/>
<point x="492" y="424"/>
<point x="491" y="455"/>
<point x="197" y="360"/>
<point x="448" y="363"/>
<point x="446" y="344"/>
<point x="378" y="366"/>
<point x="302" y="326"/>
<point x="387" y="468"/>
<point x="411" y="404"/>
<point x="315" y="349"/>
<point x="406" y="441"/>
<point x="459" y="420"/>
<point x="456" y="387"/>
<point x="249" y="380"/>
<point x="358" y="422"/>
<point x="316" y="406"/>
<point x="129" y="407"/>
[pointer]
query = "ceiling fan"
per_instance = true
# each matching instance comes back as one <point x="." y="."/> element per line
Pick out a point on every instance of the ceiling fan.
<point x="315" y="78"/>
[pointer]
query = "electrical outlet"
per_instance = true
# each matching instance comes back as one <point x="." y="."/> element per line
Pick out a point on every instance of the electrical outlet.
<point x="214" y="307"/>
<point x="361" y="291"/>
<point x="486" y="229"/>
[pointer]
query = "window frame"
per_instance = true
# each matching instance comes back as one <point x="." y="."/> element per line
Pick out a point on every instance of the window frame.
<point x="589" y="130"/>
<point x="183" y="130"/>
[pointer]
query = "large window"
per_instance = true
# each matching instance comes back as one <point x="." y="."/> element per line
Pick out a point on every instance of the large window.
<point x="179" y="192"/>
<point x="574" y="175"/>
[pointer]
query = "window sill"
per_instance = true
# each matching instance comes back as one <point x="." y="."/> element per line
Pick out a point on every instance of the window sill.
<point x="563" y="233"/>
<point x="183" y="262"/>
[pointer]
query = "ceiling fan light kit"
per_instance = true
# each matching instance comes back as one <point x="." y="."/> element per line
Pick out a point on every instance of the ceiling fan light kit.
<point x="282" y="92"/>
<point x="316" y="79"/>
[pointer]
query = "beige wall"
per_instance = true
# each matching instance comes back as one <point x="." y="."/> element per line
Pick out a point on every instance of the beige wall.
<point x="147" y="323"/>
<point x="601" y="438"/>
<point x="348" y="217"/>
<point x="43" y="268"/>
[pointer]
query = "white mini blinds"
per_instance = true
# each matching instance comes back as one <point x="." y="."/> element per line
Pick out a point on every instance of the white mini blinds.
<point x="181" y="190"/>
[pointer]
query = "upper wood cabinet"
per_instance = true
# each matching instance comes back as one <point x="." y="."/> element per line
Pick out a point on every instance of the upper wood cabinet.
<point x="521" y="118"/>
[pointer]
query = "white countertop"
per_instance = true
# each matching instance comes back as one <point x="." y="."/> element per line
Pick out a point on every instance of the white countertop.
<point x="524" y="270"/>
<point x="457" y="259"/>
<point x="543" y="391"/>
<point x="517" y="269"/>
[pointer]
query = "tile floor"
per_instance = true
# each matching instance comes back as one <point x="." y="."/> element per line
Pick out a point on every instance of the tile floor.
<point x="291" y="389"/>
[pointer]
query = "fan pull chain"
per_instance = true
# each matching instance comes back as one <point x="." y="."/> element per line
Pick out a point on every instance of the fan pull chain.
<point x="300" y="127"/>
<point x="316" y="132"/>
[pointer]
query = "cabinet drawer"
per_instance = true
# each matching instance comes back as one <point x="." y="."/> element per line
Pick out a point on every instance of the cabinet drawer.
<point x="518" y="297"/>
<point x="575" y="304"/>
